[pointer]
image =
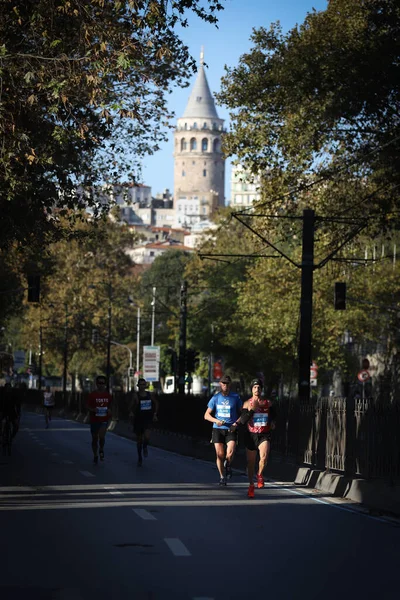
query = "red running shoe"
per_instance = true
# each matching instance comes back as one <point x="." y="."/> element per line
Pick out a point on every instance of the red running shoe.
<point x="250" y="492"/>
<point x="260" y="481"/>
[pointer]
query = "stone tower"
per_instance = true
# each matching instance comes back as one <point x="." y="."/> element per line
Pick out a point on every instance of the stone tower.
<point x="199" y="166"/>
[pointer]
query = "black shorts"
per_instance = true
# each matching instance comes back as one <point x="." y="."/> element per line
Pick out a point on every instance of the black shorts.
<point x="223" y="436"/>
<point x="253" y="440"/>
<point x="49" y="408"/>
<point x="142" y="425"/>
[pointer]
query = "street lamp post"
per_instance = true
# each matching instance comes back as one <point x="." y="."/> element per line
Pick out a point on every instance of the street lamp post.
<point x="65" y="356"/>
<point x="109" y="336"/>
<point x="153" y="304"/>
<point x="138" y="342"/>
<point x="40" y="356"/>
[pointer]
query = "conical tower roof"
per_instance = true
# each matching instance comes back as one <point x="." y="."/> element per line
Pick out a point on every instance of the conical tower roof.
<point x="201" y="102"/>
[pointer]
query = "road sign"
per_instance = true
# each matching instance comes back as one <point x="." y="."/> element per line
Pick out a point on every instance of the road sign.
<point x="19" y="359"/>
<point x="313" y="382"/>
<point x="363" y="375"/>
<point x="314" y="365"/>
<point x="151" y="363"/>
<point x="313" y="373"/>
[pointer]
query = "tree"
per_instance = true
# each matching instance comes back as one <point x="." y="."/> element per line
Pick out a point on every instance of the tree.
<point x="83" y="98"/>
<point x="322" y="100"/>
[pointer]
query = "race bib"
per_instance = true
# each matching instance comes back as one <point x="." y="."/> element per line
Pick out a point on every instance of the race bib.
<point x="101" y="411"/>
<point x="145" y="405"/>
<point x="223" y="412"/>
<point x="260" y="419"/>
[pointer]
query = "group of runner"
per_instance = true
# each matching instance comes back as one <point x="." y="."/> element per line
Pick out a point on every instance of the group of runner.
<point x="257" y="414"/>
<point x="142" y="412"/>
<point x="225" y="411"/>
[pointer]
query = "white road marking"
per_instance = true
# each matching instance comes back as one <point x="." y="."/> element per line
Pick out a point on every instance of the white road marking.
<point x="68" y="462"/>
<point x="87" y="474"/>
<point x="144" y="514"/>
<point x="113" y="491"/>
<point x="177" y="547"/>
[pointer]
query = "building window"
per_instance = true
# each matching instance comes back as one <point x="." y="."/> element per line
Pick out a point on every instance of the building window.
<point x="204" y="145"/>
<point x="204" y="125"/>
<point x="183" y="144"/>
<point x="151" y="253"/>
<point x="195" y="125"/>
<point x="183" y="173"/>
<point x="216" y="145"/>
<point x="193" y="144"/>
<point x="185" y="125"/>
<point x="204" y="172"/>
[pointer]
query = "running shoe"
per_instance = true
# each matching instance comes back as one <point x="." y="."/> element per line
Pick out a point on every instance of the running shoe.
<point x="101" y="454"/>
<point x="222" y="481"/>
<point x="228" y="469"/>
<point x="250" y="491"/>
<point x="145" y="451"/>
<point x="95" y="459"/>
<point x="260" y="481"/>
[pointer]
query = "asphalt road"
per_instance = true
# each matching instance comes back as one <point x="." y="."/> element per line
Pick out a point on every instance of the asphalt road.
<point x="71" y="530"/>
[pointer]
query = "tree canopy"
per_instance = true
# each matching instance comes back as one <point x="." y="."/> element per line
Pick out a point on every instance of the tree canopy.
<point x="322" y="100"/>
<point x="82" y="98"/>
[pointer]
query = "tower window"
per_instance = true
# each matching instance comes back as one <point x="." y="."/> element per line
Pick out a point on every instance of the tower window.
<point x="183" y="173"/>
<point x="185" y="125"/>
<point x="204" y="125"/>
<point x="183" y="144"/>
<point x="216" y="145"/>
<point x="204" y="145"/>
<point x="193" y="144"/>
<point x="204" y="172"/>
<point x="195" y="125"/>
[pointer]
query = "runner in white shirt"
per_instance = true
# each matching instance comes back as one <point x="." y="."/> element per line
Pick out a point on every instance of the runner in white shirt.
<point x="49" y="402"/>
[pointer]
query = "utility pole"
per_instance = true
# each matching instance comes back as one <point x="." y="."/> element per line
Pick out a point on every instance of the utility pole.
<point x="307" y="272"/>
<point x="182" y="339"/>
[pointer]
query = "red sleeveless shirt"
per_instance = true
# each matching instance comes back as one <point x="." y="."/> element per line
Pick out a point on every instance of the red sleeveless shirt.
<point x="260" y="422"/>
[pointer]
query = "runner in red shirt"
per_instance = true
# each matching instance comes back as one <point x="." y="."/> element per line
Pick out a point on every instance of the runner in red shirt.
<point x="98" y="405"/>
<point x="259" y="418"/>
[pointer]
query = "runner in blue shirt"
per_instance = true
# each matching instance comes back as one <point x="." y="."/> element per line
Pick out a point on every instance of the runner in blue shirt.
<point x="223" y="410"/>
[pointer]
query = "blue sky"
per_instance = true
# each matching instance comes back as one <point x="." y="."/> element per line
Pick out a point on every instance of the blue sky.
<point x="222" y="46"/>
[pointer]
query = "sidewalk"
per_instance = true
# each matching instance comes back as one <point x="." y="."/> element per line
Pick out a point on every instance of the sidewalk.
<point x="378" y="496"/>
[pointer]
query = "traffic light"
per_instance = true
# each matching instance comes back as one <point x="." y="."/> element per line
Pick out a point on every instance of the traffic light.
<point x="340" y="296"/>
<point x="33" y="288"/>
<point x="131" y="372"/>
<point x="95" y="336"/>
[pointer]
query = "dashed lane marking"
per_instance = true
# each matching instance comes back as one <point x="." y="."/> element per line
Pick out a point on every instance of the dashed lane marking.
<point x="177" y="547"/>
<point x="113" y="491"/>
<point x="144" y="514"/>
<point x="87" y="474"/>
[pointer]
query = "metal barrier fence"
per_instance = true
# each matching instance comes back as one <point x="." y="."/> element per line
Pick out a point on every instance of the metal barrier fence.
<point x="351" y="436"/>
